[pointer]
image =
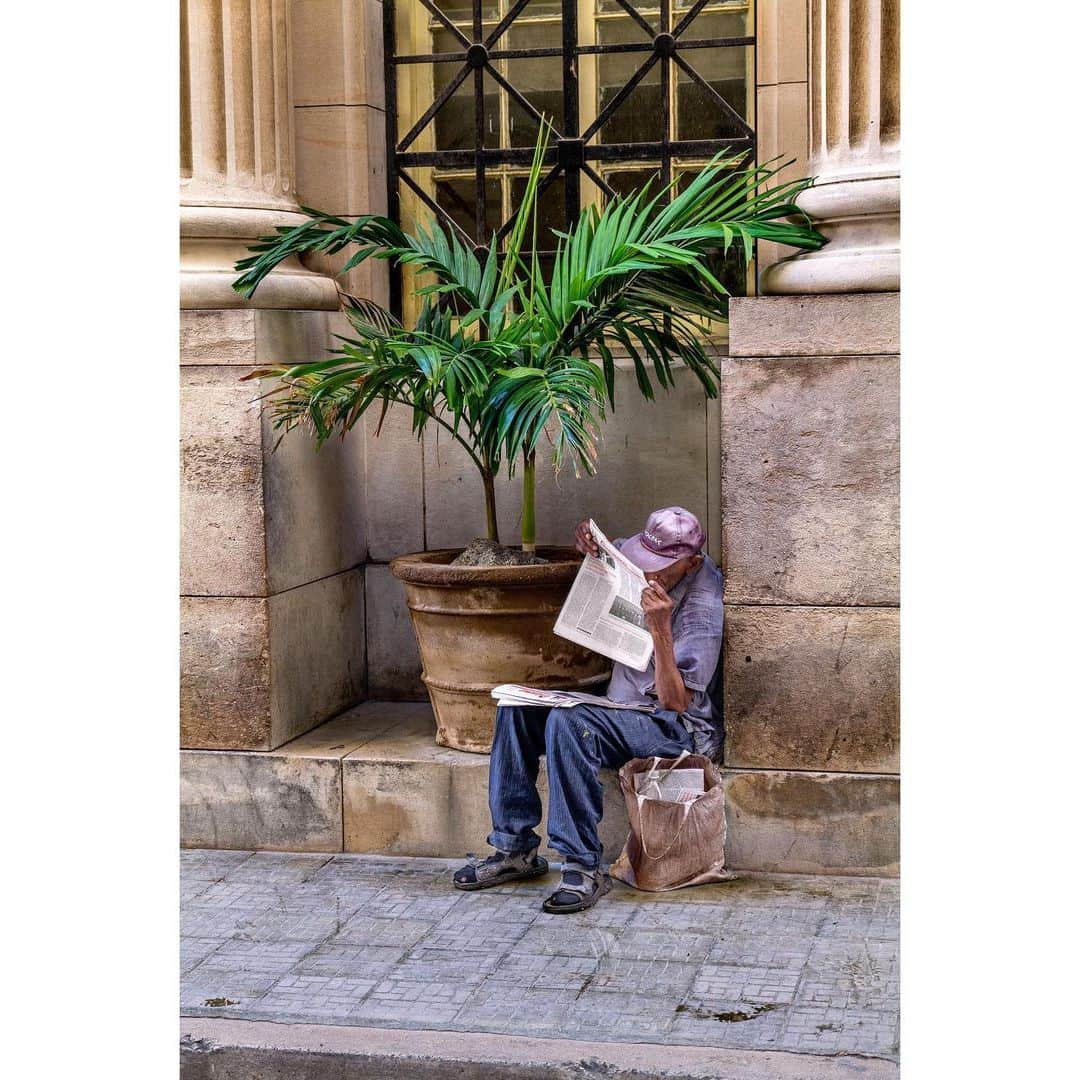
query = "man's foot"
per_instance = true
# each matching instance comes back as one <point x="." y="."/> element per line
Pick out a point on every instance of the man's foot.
<point x="499" y="868"/>
<point x="578" y="890"/>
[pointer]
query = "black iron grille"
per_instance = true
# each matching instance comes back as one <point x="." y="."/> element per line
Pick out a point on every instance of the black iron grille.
<point x="636" y="118"/>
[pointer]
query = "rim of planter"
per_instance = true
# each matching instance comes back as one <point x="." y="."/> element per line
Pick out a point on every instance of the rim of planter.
<point x="432" y="568"/>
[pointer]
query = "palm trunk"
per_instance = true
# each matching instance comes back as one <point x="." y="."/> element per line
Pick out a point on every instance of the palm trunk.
<point x="528" y="504"/>
<point x="489" y="504"/>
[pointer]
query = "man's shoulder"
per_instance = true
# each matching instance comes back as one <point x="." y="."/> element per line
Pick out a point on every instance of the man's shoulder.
<point x="703" y="605"/>
<point x="708" y="582"/>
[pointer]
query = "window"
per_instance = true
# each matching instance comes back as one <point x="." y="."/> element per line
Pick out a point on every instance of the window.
<point x="634" y="88"/>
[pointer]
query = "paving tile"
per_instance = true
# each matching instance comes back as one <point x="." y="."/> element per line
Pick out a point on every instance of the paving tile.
<point x="278" y="867"/>
<point x="550" y="1012"/>
<point x="728" y="1023"/>
<point x="543" y="972"/>
<point x="339" y="959"/>
<point x="789" y="951"/>
<point x="634" y="944"/>
<point x="411" y="1001"/>
<point x="276" y="925"/>
<point x="665" y="978"/>
<point x="671" y="915"/>
<point x="220" y="985"/>
<point x="862" y="974"/>
<point x="194" y="950"/>
<point x="486" y="907"/>
<point x="445" y="967"/>
<point x="213" y="986"/>
<point x="781" y="918"/>
<point x="562" y="936"/>
<point x="209" y="864"/>
<point x="400" y="902"/>
<point x="239" y="895"/>
<point x="364" y="929"/>
<point x="313" y="998"/>
<point x="879" y="919"/>
<point x="192" y="888"/>
<point x="466" y="936"/>
<point x="209" y="921"/>
<point x="740" y="982"/>
<point x="825" y="1029"/>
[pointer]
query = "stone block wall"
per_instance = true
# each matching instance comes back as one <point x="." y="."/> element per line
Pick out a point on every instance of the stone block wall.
<point x="272" y="543"/>
<point x="809" y="495"/>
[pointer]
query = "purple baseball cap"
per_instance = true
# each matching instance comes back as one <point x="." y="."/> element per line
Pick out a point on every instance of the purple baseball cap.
<point x="669" y="535"/>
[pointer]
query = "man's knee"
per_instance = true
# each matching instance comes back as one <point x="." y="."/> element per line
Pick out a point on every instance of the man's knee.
<point x="568" y="728"/>
<point x="511" y="717"/>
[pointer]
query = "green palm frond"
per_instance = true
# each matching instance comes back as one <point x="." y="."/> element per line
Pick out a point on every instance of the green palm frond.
<point x="563" y="398"/>
<point x="637" y="274"/>
<point x="373" y="235"/>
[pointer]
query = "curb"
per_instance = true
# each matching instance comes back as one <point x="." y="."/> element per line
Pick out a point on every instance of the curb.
<point x="226" y="1049"/>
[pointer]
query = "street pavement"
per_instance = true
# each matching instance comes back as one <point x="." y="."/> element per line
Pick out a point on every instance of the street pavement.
<point x="793" y="963"/>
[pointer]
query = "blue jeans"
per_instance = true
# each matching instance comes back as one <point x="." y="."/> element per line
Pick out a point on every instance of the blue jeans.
<point x="578" y="743"/>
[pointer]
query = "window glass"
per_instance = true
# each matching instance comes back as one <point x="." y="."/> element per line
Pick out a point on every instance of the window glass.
<point x="457" y="196"/>
<point x="538" y="79"/>
<point x="698" y="115"/>
<point x="640" y="117"/>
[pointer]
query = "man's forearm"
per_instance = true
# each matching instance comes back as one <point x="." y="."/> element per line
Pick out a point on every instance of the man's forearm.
<point x="671" y="691"/>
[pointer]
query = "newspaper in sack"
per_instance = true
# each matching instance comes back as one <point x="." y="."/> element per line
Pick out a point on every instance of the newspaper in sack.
<point x="603" y="611"/>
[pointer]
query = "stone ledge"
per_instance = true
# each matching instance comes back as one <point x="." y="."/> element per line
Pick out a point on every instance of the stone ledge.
<point x="373" y="780"/>
<point x="853" y="324"/>
<point x="287" y="799"/>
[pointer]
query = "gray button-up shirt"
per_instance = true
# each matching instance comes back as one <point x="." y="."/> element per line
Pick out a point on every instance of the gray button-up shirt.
<point x="697" y="625"/>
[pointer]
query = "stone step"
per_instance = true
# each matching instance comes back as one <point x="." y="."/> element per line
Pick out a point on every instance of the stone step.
<point x="374" y="781"/>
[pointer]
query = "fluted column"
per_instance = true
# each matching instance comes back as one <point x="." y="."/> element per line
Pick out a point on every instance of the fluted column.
<point x="237" y="175"/>
<point x="854" y="152"/>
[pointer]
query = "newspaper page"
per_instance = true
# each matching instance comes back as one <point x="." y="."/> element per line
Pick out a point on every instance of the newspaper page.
<point x="603" y="611"/>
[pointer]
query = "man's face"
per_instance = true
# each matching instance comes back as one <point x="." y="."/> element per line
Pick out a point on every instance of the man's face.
<point x="671" y="575"/>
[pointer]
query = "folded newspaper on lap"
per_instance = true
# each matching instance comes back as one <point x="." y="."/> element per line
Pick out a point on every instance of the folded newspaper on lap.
<point x="603" y="611"/>
<point x="513" y="694"/>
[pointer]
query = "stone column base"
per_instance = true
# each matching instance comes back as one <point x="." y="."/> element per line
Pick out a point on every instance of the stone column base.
<point x="861" y="218"/>
<point x="214" y="238"/>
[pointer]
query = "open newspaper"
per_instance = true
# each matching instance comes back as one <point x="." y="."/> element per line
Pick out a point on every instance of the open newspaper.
<point x="603" y="611"/>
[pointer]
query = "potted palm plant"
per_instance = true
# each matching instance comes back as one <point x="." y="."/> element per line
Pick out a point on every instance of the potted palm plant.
<point x="501" y="356"/>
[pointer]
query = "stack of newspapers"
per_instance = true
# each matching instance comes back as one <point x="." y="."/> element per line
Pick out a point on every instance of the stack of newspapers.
<point x="513" y="694"/>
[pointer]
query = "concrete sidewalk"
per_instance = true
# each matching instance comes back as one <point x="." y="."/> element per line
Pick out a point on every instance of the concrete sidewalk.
<point x="789" y="965"/>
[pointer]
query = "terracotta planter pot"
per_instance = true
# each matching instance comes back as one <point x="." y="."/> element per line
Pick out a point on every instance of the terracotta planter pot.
<point x="478" y="627"/>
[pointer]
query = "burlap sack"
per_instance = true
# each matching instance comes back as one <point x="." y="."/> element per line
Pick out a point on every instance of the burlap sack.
<point x="672" y="845"/>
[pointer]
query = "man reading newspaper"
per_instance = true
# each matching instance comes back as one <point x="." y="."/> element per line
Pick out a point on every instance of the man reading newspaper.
<point x="683" y="613"/>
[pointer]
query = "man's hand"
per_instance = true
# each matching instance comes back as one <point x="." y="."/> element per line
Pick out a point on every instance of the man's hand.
<point x="671" y="691"/>
<point x="583" y="539"/>
<point x="658" y="608"/>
